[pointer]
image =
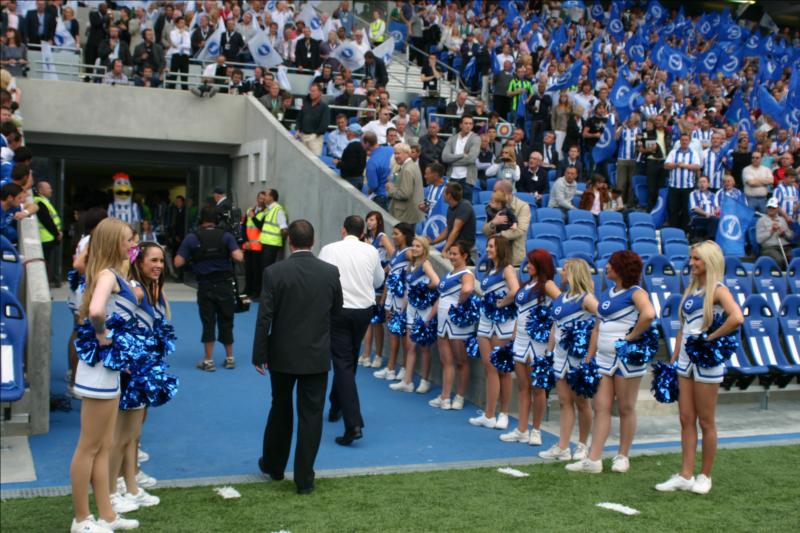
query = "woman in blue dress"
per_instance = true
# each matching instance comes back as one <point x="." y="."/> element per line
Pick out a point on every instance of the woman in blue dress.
<point x="107" y="303"/>
<point x="573" y="317"/>
<point x="394" y="297"/>
<point x="377" y="238"/>
<point x="717" y="316"/>
<point x="454" y="289"/>
<point x="624" y="313"/>
<point x="499" y="288"/>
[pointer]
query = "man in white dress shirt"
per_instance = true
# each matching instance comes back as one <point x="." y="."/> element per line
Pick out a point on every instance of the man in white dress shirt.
<point x="360" y="273"/>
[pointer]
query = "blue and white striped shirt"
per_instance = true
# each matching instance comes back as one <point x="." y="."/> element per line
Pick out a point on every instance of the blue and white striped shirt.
<point x="704" y="200"/>
<point x="712" y="167"/>
<point x="649" y="110"/>
<point x="734" y="193"/>
<point x="779" y="148"/>
<point x="627" y="143"/>
<point x="681" y="178"/>
<point x="703" y="136"/>
<point x="787" y="196"/>
<point x="433" y="193"/>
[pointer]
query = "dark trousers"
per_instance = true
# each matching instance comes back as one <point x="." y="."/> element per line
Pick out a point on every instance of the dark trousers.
<point x="50" y="251"/>
<point x="269" y="255"/>
<point x="278" y="433"/>
<point x="252" y="273"/>
<point x="678" y="207"/>
<point x="216" y="301"/>
<point x="357" y="182"/>
<point x="179" y="63"/>
<point x="347" y="331"/>
<point x="655" y="180"/>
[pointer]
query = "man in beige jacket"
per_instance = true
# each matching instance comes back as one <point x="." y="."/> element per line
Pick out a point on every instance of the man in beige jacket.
<point x="517" y="236"/>
<point x="405" y="190"/>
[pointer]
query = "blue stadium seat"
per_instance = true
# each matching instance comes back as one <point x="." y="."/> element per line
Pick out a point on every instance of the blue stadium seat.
<point x="328" y="160"/>
<point x="545" y="199"/>
<point x="13" y="333"/>
<point x="770" y="281"/>
<point x="755" y="249"/>
<point x="598" y="279"/>
<point x="581" y="216"/>
<point x="686" y="273"/>
<point x="580" y="187"/>
<point x="636" y="218"/>
<point x="677" y="253"/>
<point x="545" y="230"/>
<point x="571" y="248"/>
<point x="480" y="210"/>
<point x="576" y="201"/>
<point x="737" y="279"/>
<point x="639" y="179"/>
<point x="640" y="234"/>
<point x="640" y="192"/>
<point x="10" y="266"/>
<point x="793" y="275"/>
<point x="670" y="321"/>
<point x="552" y="246"/>
<point x="551" y="176"/>
<point x="534" y="217"/>
<point x="551" y="215"/>
<point x="581" y="232"/>
<point x="761" y="333"/>
<point x="325" y="144"/>
<point x="527" y="197"/>
<point x="741" y="372"/>
<point x="482" y="267"/>
<point x="646" y="250"/>
<point x="612" y="233"/>
<point x="795" y="254"/>
<point x="613" y="218"/>
<point x="480" y="242"/>
<point x="490" y="183"/>
<point x="789" y="320"/>
<point x="606" y="248"/>
<point x="484" y="196"/>
<point x="672" y="235"/>
<point x="661" y="280"/>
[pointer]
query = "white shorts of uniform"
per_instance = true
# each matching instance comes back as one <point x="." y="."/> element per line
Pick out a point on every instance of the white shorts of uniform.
<point x="489" y="329"/>
<point x="446" y="328"/>
<point x="412" y="313"/>
<point x="688" y="369"/>
<point x="393" y="304"/>
<point x="525" y="351"/>
<point x="563" y="363"/>
<point x="609" y="364"/>
<point x="96" y="381"/>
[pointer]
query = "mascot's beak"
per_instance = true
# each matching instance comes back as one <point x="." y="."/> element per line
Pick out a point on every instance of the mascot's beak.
<point x="123" y="190"/>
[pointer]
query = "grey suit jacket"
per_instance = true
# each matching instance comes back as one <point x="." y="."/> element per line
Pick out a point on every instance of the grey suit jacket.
<point x="467" y="159"/>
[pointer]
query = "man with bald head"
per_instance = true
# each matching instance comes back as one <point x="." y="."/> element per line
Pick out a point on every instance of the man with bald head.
<point x="518" y="235"/>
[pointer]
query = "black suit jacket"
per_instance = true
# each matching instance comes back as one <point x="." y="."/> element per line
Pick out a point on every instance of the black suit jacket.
<point x="298" y="297"/>
<point x="98" y="29"/>
<point x="302" y="51"/>
<point x="378" y="71"/>
<point x="530" y="183"/>
<point x="31" y="28"/>
<point x="539" y="147"/>
<point x="231" y="49"/>
<point x="564" y="163"/>
<point x="105" y="49"/>
<point x="354" y="160"/>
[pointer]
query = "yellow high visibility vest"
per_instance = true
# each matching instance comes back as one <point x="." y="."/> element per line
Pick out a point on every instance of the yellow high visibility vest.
<point x="253" y="232"/>
<point x="270" y="231"/>
<point x="44" y="234"/>
<point x="376" y="31"/>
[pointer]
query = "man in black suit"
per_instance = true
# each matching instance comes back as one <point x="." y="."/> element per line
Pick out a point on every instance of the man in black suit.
<point x="293" y="340"/>
<point x="375" y="68"/>
<point x="98" y="32"/>
<point x="533" y="178"/>
<point x="231" y="41"/>
<point x="573" y="159"/>
<point x="40" y="24"/>
<point x="548" y="150"/>
<point x="539" y="105"/>
<point x="306" y="52"/>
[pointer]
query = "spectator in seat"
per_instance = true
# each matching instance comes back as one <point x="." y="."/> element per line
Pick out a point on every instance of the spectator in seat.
<point x="353" y="160"/>
<point x="380" y="125"/>
<point x="361" y="42"/>
<point x="573" y="159"/>
<point x="272" y="100"/>
<point x="115" y="76"/>
<point x="564" y="189"/>
<point x="539" y="106"/>
<point x="15" y="54"/>
<point x="231" y="41"/>
<point x="547" y="149"/>
<point x="313" y="120"/>
<point x="501" y="81"/>
<point x="757" y="179"/>
<point x="533" y="177"/>
<point x="307" y="52"/>
<point x="460" y="154"/>
<point x="337" y="139"/>
<point x="430" y="76"/>
<point x="786" y="163"/>
<point x="729" y="189"/>
<point x="683" y="164"/>
<point x="114" y="48"/>
<point x="236" y="85"/>
<point x="348" y="98"/>
<point x="12" y="209"/>
<point x="415" y="128"/>
<point x="458" y="108"/>
<point x="201" y="34"/>
<point x="787" y="195"/>
<point x="148" y="53"/>
<point x="147" y="78"/>
<point x="703" y="211"/>
<point x="287" y="47"/>
<point x="773" y="234"/>
<point x="522" y="212"/>
<point x="596" y="197"/>
<point x="505" y="168"/>
<point x="98" y="31"/>
<point x="405" y="193"/>
<point x="431" y="146"/>
<point x="375" y="68"/>
<point x="40" y="24"/>
<point x="498" y="205"/>
<point x="460" y="218"/>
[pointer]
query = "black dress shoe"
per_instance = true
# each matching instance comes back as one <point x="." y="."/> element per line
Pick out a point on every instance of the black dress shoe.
<point x="263" y="467"/>
<point x="305" y="490"/>
<point x="349" y="436"/>
<point x="334" y="415"/>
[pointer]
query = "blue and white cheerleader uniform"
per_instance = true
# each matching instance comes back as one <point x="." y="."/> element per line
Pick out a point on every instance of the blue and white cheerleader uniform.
<point x="397" y="268"/>
<point x="417" y="278"/>
<point x="376" y="242"/>
<point x="495" y="284"/>
<point x="449" y="294"/>
<point x="692" y="324"/>
<point x="77" y="281"/>
<point x="567" y="311"/>
<point x="94" y="379"/>
<point x="618" y="314"/>
<point x="525" y="348"/>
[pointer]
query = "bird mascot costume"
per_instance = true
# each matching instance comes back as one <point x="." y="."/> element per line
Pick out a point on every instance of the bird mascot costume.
<point x="123" y="207"/>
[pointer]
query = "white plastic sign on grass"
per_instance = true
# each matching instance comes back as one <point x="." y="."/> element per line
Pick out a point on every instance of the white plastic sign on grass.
<point x="618" y="507"/>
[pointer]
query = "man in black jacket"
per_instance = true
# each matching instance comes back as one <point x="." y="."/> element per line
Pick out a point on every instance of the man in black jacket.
<point x="40" y="24"/>
<point x="306" y="52"/>
<point x="548" y="150"/>
<point x="375" y="68"/>
<point x="539" y="105"/>
<point x="533" y="177"/>
<point x="354" y="158"/>
<point x="98" y="32"/>
<point x="201" y="34"/>
<point x="293" y="340"/>
<point x="231" y="41"/>
<point x="148" y="53"/>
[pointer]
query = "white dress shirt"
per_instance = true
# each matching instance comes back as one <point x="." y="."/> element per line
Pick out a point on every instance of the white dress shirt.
<point x="360" y="271"/>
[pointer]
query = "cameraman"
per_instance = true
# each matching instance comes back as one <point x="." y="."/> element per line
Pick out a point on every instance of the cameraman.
<point x="210" y="250"/>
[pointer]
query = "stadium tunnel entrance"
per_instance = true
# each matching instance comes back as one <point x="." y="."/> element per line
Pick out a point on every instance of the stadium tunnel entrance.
<point x="82" y="178"/>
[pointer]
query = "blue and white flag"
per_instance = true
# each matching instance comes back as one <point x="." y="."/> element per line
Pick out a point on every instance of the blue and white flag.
<point x="596" y="11"/>
<point x="771" y="107"/>
<point x="752" y="46"/>
<point x="707" y="62"/>
<point x="262" y="51"/>
<point x="659" y="212"/>
<point x="212" y="49"/>
<point x="655" y="12"/>
<point x="63" y="38"/>
<point x="625" y="98"/>
<point x="385" y="50"/>
<point x="615" y="27"/>
<point x="399" y="32"/>
<point x="495" y="63"/>
<point x="635" y="49"/>
<point x="48" y="68"/>
<point x="730" y="64"/>
<point x="283" y="79"/>
<point x="732" y="32"/>
<point x="735" y="219"/>
<point x="568" y="79"/>
<point x="606" y="147"/>
<point x="436" y="221"/>
<point x="469" y="70"/>
<point x="675" y="62"/>
<point x="349" y="55"/>
<point x="310" y="18"/>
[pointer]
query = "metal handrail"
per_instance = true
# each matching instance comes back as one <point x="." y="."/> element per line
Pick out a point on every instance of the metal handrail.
<point x="252" y="66"/>
<point x="65" y="64"/>
<point x="176" y="79"/>
<point x="67" y="73"/>
<point x="37" y="46"/>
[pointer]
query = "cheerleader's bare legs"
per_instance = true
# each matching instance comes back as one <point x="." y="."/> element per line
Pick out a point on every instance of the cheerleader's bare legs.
<point x="126" y="436"/>
<point x="498" y="386"/>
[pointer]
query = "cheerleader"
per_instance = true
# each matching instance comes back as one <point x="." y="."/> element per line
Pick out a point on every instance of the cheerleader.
<point x="501" y="283"/>
<point x="421" y="282"/>
<point x="393" y="304"/>
<point x="455" y="289"/>
<point x="377" y="238"/>
<point x="720" y="316"/>
<point x="107" y="294"/>
<point x="624" y="313"/>
<point x="573" y="315"/>
<point x="532" y="333"/>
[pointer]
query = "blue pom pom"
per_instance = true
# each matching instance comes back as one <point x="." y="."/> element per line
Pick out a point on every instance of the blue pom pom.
<point x="502" y="358"/>
<point x="164" y="332"/>
<point x="584" y="379"/>
<point x="397" y="324"/>
<point x="640" y="351"/>
<point x="424" y="333"/>
<point x="75" y="280"/>
<point x="421" y="296"/>
<point x="665" y="382"/>
<point x="472" y="347"/>
<point x="378" y="314"/>
<point x="498" y="315"/>
<point x="708" y="354"/>
<point x="396" y="283"/>
<point x="466" y="313"/>
<point x="127" y="344"/>
<point x="539" y="323"/>
<point x="575" y="338"/>
<point x="542" y="374"/>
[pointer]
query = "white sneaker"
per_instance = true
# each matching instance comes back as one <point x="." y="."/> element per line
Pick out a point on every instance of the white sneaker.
<point x="556" y="453"/>
<point x="424" y="386"/>
<point x="385" y="373"/>
<point x="144" y="481"/>
<point x="514" y="436"/>
<point x="377" y="362"/>
<point x="587" y="466"/>
<point x="87" y="526"/>
<point x="441" y="403"/>
<point x="401" y="386"/>
<point x="581" y="452"/>
<point x="121" y="505"/>
<point x="620" y="464"/>
<point x="676" y="482"/>
<point x="119" y="523"/>
<point x="121" y="487"/>
<point x="143" y="499"/>
<point x="536" y="438"/>
<point x="702" y="484"/>
<point x="401" y="375"/>
<point x="142" y="456"/>
<point x="458" y="402"/>
<point x="482" y="420"/>
<point x="502" y="421"/>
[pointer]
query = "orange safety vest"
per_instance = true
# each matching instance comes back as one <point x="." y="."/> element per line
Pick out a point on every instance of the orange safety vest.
<point x="253" y="233"/>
